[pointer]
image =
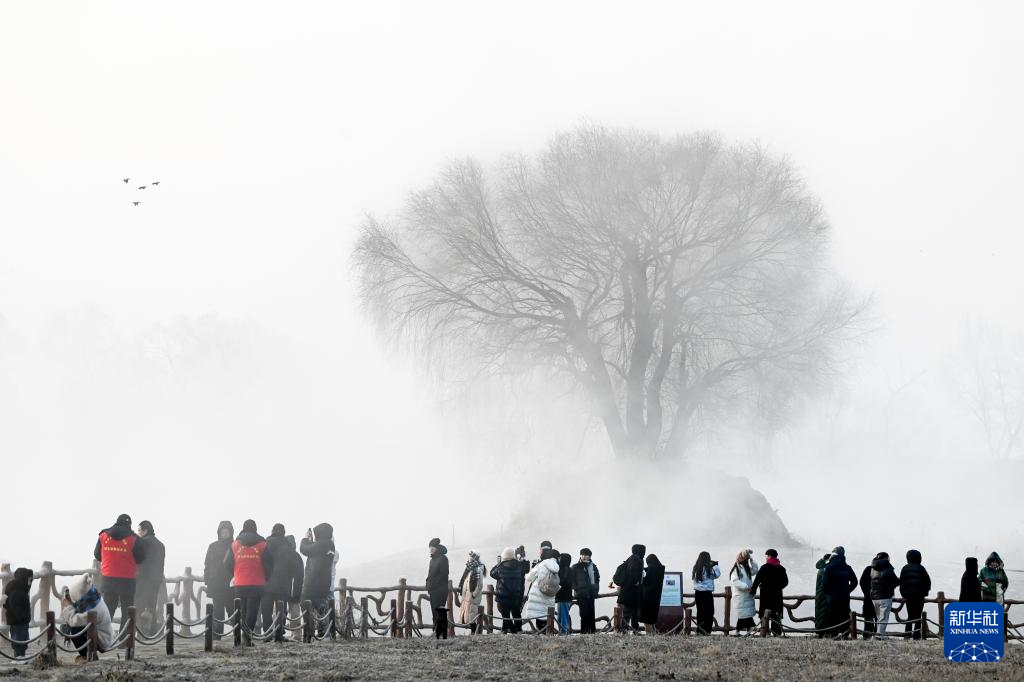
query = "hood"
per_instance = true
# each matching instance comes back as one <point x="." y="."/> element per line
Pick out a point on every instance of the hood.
<point x="913" y="556"/>
<point x="290" y="539"/>
<point x="994" y="556"/>
<point x="971" y="564"/>
<point x="23" y="576"/>
<point x="639" y="550"/>
<point x="441" y="550"/>
<point x="249" y="526"/>
<point x="323" y="531"/>
<point x="277" y="530"/>
<point x="79" y="586"/>
<point x="881" y="565"/>
<point x="118" y="531"/>
<point x="564" y="560"/>
<point x="148" y="527"/>
<point x="249" y="538"/>
<point x="837" y="558"/>
<point x="226" y="525"/>
<point x="551" y="564"/>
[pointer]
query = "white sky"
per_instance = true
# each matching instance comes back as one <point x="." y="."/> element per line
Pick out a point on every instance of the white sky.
<point x="274" y="127"/>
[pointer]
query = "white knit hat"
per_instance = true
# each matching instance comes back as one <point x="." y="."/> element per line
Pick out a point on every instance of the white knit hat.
<point x="79" y="586"/>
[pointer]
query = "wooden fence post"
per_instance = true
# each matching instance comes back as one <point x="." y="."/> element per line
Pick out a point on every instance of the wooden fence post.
<point x="409" y="619"/>
<point x="450" y="603"/>
<point x="46" y="586"/>
<point x="489" y="595"/>
<point x="617" y="617"/>
<point x="186" y="600"/>
<point x="480" y="619"/>
<point x="549" y="624"/>
<point x="332" y="620"/>
<point x="924" y="627"/>
<point x="393" y="629"/>
<point x="853" y="625"/>
<point x="687" y="621"/>
<point x="208" y="633"/>
<point x="727" y="609"/>
<point x="282" y="619"/>
<point x="5" y="577"/>
<point x="765" y="619"/>
<point x="364" y="617"/>
<point x="343" y="607"/>
<point x="169" y="634"/>
<point x="237" y="621"/>
<point x="51" y="636"/>
<point x="940" y="602"/>
<point x="129" y="653"/>
<point x="307" y="621"/>
<point x="400" y="605"/>
<point x="90" y="647"/>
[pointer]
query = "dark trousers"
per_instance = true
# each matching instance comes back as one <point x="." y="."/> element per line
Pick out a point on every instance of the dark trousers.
<point x="250" y="596"/>
<point x="511" y="617"/>
<point x="839" y="619"/>
<point x="915" y="605"/>
<point x="118" y="592"/>
<point x="776" y="620"/>
<point x="441" y="622"/>
<point x="145" y="601"/>
<point x="221" y="605"/>
<point x="869" y="616"/>
<point x="19" y="632"/>
<point x="320" y="604"/>
<point x="705" y="611"/>
<point x="586" y="605"/>
<point x="267" y="604"/>
<point x="630" y="618"/>
<point x="78" y="638"/>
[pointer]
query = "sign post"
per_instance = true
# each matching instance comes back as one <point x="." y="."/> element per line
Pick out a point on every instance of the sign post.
<point x="671" y="612"/>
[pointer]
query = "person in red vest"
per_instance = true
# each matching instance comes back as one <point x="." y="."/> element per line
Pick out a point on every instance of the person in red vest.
<point x="119" y="552"/>
<point x="250" y="564"/>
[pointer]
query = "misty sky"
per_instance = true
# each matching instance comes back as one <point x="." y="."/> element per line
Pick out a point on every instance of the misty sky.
<point x="274" y="128"/>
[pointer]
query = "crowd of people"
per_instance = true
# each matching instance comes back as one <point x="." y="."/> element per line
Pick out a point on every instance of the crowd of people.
<point x="270" y="578"/>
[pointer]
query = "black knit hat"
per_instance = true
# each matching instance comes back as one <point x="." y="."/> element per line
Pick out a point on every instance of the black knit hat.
<point x="772" y="553"/>
<point x="586" y="552"/>
<point x="124" y="520"/>
<point x="434" y="542"/>
<point x="249" y="525"/>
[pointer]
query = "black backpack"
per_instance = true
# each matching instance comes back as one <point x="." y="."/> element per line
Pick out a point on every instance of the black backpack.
<point x="620" y="575"/>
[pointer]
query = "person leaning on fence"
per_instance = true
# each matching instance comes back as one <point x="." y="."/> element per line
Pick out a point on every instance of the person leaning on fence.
<point x="867" y="611"/>
<point x="318" y="547"/>
<point x="18" y="608"/>
<point x="508" y="590"/>
<point x="437" y="587"/>
<point x="993" y="580"/>
<point x="704" y="573"/>
<point x="742" y="576"/>
<point x="629" y="579"/>
<point x="249" y="564"/>
<point x="119" y="553"/>
<point x="883" y="586"/>
<point x="284" y="582"/>
<point x="821" y="598"/>
<point x="564" y="597"/>
<point x="542" y="587"/>
<point x="772" y="579"/>
<point x="80" y="599"/>
<point x="150" y="578"/>
<point x="471" y="587"/>
<point x="915" y="584"/>
<point x="650" y="603"/>
<point x="839" y="581"/>
<point x="217" y="577"/>
<point x="586" y="583"/>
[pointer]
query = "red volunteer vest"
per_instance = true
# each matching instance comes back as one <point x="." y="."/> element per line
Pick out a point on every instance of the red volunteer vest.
<point x="249" y="563"/>
<point x="117" y="557"/>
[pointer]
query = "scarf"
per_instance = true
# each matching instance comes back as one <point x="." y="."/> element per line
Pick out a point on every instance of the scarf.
<point x="774" y="561"/>
<point x="88" y="601"/>
<point x="473" y="570"/>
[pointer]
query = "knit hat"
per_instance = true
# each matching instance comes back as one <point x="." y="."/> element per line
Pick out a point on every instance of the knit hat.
<point x="545" y="543"/>
<point x="508" y="554"/>
<point x="278" y="529"/>
<point x="249" y="525"/>
<point x="434" y="542"/>
<point x="124" y="520"/>
<point x="772" y="553"/>
<point x="586" y="552"/>
<point x="79" y="586"/>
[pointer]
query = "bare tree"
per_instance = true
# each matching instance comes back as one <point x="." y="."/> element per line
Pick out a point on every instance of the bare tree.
<point x="988" y="372"/>
<point x="660" y="276"/>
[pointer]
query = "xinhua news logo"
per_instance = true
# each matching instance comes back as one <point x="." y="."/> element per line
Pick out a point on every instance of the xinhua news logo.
<point x="974" y="632"/>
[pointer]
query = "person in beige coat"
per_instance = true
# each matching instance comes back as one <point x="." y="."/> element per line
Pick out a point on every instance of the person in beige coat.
<point x="471" y="587"/>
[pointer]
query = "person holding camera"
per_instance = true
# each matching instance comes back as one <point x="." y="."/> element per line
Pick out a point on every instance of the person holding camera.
<point x="509" y="581"/>
<point x="80" y="599"/>
<point x="629" y="579"/>
<point x="437" y="587"/>
<point x="704" y="573"/>
<point x="318" y="547"/>
<point x="838" y="580"/>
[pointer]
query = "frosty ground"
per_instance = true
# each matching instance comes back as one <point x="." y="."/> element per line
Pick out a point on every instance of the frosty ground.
<point x="547" y="658"/>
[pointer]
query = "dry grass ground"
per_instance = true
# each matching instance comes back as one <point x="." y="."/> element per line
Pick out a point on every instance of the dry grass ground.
<point x="548" y="658"/>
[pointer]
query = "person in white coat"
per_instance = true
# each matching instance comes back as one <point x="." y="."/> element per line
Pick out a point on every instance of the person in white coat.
<point x="80" y="599"/>
<point x="705" y="572"/>
<point x="542" y="585"/>
<point x="742" y="576"/>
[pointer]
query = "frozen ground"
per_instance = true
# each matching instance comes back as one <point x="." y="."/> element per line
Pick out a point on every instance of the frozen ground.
<point x="548" y="658"/>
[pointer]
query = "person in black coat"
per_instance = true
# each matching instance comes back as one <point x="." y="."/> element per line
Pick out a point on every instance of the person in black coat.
<point x="437" y="587"/>
<point x="838" y="582"/>
<point x="508" y="590"/>
<point x="772" y="579"/>
<point x="867" y="611"/>
<point x="653" y="581"/>
<point x="629" y="579"/>
<point x="563" y="598"/>
<point x="915" y="584"/>
<point x="970" y="587"/>
<point x="318" y="546"/>
<point x="586" y="583"/>
<point x="284" y="583"/>
<point x="216" y="575"/>
<point x="18" y="608"/>
<point x="150" y="579"/>
<point x="883" y="587"/>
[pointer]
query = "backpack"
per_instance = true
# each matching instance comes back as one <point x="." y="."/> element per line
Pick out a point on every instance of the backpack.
<point x="620" y="575"/>
<point x="549" y="583"/>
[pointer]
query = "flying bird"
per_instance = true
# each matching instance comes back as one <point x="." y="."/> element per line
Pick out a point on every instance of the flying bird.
<point x="126" y="180"/>
<point x="142" y="187"/>
<point x="155" y="182"/>
<point x="136" y="203"/>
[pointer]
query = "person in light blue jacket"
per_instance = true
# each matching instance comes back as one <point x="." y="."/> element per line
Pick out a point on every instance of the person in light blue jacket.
<point x="705" y="571"/>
